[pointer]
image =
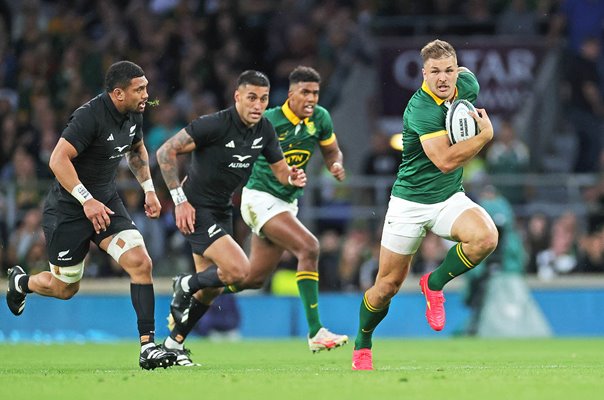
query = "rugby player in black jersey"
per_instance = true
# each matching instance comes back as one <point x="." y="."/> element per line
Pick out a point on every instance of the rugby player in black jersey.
<point x="224" y="147"/>
<point x="83" y="205"/>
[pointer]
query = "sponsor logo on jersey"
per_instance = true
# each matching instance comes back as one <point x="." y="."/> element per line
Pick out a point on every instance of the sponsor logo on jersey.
<point x="297" y="157"/>
<point x="230" y="144"/>
<point x="213" y="230"/>
<point x="241" y="158"/>
<point x="120" y="149"/>
<point x="110" y="138"/>
<point x="256" y="143"/>
<point x="240" y="164"/>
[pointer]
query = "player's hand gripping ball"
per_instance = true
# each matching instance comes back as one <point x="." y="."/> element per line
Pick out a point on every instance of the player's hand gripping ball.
<point x="459" y="123"/>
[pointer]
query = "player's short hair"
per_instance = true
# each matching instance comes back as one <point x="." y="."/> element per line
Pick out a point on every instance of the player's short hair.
<point x="251" y="77"/>
<point x="437" y="49"/>
<point x="304" y="74"/>
<point x="120" y="74"/>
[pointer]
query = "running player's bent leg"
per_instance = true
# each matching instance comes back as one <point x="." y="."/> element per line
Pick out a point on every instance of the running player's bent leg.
<point x="393" y="269"/>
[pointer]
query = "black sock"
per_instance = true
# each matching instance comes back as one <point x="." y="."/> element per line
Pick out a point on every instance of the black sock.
<point x="23" y="283"/>
<point x="197" y="310"/>
<point x="207" y="278"/>
<point x="143" y="300"/>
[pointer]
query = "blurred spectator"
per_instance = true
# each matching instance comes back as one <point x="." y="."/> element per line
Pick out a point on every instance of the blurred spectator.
<point x="586" y="105"/>
<point x="27" y="245"/>
<point x="431" y="253"/>
<point x="537" y="239"/>
<point x="508" y="155"/>
<point x="518" y="18"/>
<point x="329" y="243"/>
<point x="591" y="252"/>
<point x="560" y="257"/>
<point x="356" y="249"/>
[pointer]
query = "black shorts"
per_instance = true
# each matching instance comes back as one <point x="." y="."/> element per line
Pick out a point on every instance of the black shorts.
<point x="68" y="232"/>
<point x="210" y="224"/>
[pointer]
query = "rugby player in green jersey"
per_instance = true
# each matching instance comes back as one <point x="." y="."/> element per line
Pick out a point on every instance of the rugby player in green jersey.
<point x="270" y="208"/>
<point x="428" y="195"/>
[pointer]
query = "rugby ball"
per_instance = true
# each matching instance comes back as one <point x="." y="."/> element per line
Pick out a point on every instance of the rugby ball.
<point x="459" y="124"/>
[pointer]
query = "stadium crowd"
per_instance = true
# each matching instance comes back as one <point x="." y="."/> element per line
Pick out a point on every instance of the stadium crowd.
<point x="52" y="58"/>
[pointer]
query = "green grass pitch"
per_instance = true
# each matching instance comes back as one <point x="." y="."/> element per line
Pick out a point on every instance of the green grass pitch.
<point x="285" y="369"/>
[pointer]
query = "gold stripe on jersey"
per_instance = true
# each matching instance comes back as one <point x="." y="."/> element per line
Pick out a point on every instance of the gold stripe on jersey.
<point x="463" y="257"/>
<point x="432" y="135"/>
<point x="289" y="114"/>
<point x="328" y="141"/>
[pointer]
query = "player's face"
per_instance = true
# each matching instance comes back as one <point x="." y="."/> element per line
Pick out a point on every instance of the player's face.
<point x="303" y="98"/>
<point x="250" y="102"/>
<point x="135" y="96"/>
<point x="441" y="76"/>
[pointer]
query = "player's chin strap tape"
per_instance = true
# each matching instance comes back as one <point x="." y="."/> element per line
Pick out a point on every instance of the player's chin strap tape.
<point x="71" y="274"/>
<point x="124" y="241"/>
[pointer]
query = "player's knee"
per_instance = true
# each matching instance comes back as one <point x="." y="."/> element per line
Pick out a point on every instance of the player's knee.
<point x="67" y="292"/>
<point x="142" y="265"/>
<point x="386" y="289"/>
<point x="254" y="282"/>
<point x="235" y="274"/>
<point x="488" y="242"/>
<point x="309" y="250"/>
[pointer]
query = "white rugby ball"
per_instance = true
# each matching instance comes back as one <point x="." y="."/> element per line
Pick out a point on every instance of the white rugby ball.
<point x="459" y="124"/>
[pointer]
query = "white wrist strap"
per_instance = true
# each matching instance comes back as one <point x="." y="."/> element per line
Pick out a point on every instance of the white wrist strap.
<point x="178" y="196"/>
<point x="148" y="186"/>
<point x="289" y="180"/>
<point x="81" y="193"/>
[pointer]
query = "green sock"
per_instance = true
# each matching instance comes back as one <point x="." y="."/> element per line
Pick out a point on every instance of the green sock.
<point x="230" y="289"/>
<point x="454" y="264"/>
<point x="369" y="318"/>
<point x="308" y="286"/>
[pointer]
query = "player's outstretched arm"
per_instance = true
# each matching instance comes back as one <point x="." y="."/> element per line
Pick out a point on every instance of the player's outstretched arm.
<point x="167" y="154"/>
<point x="138" y="161"/>
<point x="334" y="160"/>
<point x="63" y="169"/>
<point x="286" y="175"/>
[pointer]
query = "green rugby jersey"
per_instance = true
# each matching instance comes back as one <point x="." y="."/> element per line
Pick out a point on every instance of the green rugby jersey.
<point x="418" y="179"/>
<point x="298" y="139"/>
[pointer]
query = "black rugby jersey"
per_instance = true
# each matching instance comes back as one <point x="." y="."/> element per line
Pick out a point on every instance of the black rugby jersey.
<point x="102" y="136"/>
<point x="225" y="153"/>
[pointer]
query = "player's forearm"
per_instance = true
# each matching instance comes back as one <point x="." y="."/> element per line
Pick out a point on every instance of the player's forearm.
<point x="63" y="169"/>
<point x="168" y="164"/>
<point x="332" y="157"/>
<point x="461" y="153"/>
<point x="138" y="161"/>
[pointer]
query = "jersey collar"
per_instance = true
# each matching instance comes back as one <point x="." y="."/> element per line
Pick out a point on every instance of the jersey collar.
<point x="117" y="116"/>
<point x="289" y="114"/>
<point x="436" y="99"/>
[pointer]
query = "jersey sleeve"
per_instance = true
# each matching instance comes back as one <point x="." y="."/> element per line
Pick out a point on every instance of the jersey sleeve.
<point x="81" y="129"/>
<point x="427" y="121"/>
<point x="204" y="129"/>
<point x="326" y="134"/>
<point x="138" y="132"/>
<point x="468" y="86"/>
<point x="272" y="151"/>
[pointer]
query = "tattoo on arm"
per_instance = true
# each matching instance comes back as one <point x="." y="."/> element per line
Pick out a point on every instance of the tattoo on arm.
<point x="138" y="161"/>
<point x="180" y="143"/>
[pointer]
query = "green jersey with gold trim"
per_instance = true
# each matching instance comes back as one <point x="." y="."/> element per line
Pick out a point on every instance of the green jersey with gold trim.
<point x="418" y="179"/>
<point x="298" y="139"/>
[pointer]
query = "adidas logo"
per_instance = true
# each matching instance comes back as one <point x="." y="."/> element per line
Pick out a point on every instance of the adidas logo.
<point x="230" y="144"/>
<point x="110" y="138"/>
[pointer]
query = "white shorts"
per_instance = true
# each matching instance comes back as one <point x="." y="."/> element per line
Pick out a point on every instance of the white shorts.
<point x="406" y="222"/>
<point x="258" y="207"/>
